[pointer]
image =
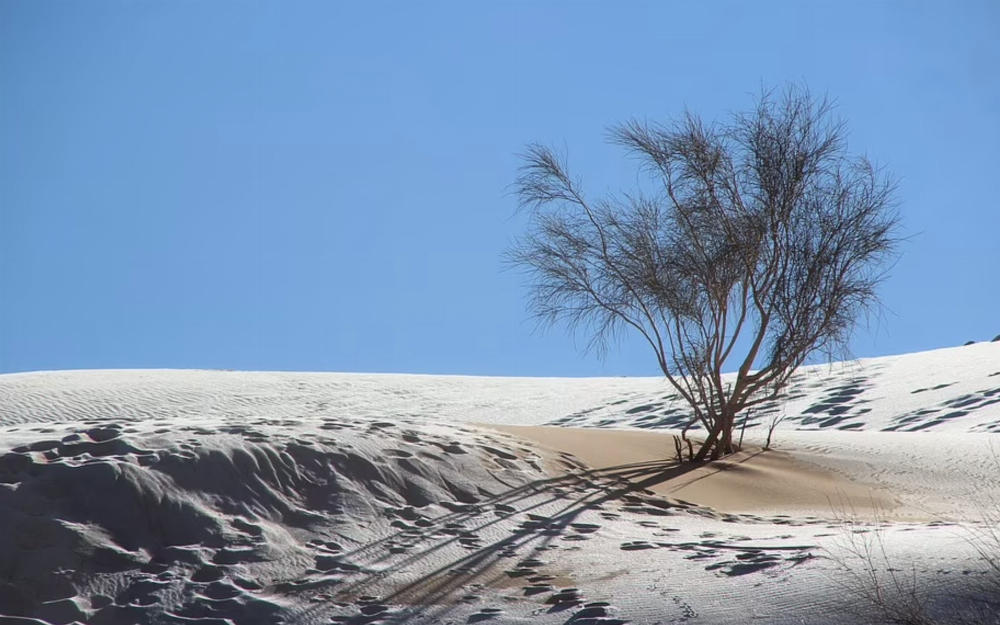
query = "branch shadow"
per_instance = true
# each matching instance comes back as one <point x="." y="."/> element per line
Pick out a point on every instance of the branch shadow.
<point x="490" y="565"/>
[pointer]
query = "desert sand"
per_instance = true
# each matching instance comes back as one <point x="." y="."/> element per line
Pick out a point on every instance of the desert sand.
<point x="752" y="480"/>
<point x="252" y="497"/>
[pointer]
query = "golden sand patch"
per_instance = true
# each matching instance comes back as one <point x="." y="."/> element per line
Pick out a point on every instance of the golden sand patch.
<point x="750" y="482"/>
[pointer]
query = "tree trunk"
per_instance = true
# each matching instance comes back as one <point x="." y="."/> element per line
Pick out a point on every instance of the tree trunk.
<point x="709" y="445"/>
<point x="726" y="445"/>
<point x="719" y="441"/>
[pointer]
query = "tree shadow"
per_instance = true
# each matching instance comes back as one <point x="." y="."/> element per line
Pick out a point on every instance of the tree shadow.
<point x="503" y="563"/>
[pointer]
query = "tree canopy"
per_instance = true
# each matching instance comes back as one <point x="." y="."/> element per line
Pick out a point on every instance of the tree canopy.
<point x="761" y="242"/>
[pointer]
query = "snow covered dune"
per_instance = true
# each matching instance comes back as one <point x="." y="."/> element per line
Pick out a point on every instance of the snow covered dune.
<point x="232" y="497"/>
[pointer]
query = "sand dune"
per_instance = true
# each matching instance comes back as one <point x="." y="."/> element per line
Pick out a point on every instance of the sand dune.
<point x="244" y="498"/>
<point x="772" y="482"/>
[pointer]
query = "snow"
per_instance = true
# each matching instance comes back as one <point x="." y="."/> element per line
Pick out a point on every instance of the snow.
<point x="254" y="497"/>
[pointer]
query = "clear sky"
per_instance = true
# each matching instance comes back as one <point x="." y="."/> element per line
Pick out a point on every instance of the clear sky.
<point x="323" y="185"/>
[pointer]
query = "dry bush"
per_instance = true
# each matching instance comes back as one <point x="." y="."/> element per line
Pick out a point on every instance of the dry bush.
<point x="759" y="243"/>
<point x="888" y="591"/>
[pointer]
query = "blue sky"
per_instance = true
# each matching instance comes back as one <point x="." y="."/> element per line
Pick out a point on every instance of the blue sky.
<point x="323" y="185"/>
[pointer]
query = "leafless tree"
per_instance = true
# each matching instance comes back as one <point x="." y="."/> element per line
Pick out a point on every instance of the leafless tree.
<point x="757" y="243"/>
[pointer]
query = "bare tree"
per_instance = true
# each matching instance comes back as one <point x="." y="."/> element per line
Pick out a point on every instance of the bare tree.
<point x="759" y="243"/>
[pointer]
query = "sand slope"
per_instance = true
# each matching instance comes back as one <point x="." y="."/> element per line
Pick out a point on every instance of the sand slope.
<point x="229" y="497"/>
<point x="751" y="481"/>
<point x="112" y="524"/>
